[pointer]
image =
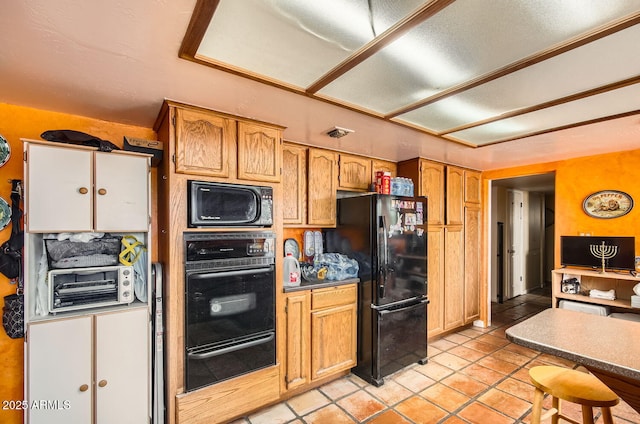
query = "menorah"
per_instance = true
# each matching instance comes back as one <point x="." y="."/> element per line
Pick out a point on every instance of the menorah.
<point x="603" y="252"/>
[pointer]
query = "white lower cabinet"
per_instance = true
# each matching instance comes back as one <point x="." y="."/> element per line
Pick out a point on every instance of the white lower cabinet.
<point x="89" y="369"/>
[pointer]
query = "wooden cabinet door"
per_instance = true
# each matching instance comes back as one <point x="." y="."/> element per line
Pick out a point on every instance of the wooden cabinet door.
<point x="472" y="261"/>
<point x="322" y="187"/>
<point x="121" y="192"/>
<point x="259" y="152"/>
<point x="204" y="143"/>
<point x="298" y="339"/>
<point x="333" y="340"/>
<point x="383" y="165"/>
<point x="122" y="367"/>
<point x="59" y="189"/>
<point x="454" y="277"/>
<point x="294" y="183"/>
<point x="59" y="369"/>
<point x="355" y="172"/>
<point x="472" y="187"/>
<point x="432" y="185"/>
<point x="435" y="274"/>
<point x="455" y="196"/>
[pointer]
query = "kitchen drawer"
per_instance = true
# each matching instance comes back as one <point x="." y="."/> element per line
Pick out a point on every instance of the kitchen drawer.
<point x="333" y="296"/>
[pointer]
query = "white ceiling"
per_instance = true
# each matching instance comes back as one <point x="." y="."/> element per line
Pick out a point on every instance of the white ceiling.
<point x="118" y="60"/>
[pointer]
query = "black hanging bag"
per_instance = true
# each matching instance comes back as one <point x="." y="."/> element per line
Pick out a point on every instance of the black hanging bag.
<point x="11" y="267"/>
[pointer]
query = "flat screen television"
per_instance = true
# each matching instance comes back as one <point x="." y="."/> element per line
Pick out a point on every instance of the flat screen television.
<point x="587" y="251"/>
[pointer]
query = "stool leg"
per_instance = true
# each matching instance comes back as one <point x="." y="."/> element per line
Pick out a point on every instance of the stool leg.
<point x="606" y="415"/>
<point x="587" y="414"/>
<point x="555" y="403"/>
<point x="536" y="410"/>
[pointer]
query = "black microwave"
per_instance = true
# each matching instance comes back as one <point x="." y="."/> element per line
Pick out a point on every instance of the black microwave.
<point x="224" y="205"/>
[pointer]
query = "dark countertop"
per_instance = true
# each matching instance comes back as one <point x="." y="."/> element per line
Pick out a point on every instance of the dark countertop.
<point x="306" y="285"/>
<point x="598" y="342"/>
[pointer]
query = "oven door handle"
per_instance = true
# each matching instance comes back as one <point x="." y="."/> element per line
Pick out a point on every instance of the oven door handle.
<point x="217" y="352"/>
<point x="231" y="273"/>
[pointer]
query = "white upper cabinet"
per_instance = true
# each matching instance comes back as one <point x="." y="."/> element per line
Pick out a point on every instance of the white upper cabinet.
<point x="75" y="189"/>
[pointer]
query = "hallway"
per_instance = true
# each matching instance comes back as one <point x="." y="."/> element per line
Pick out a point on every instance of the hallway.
<point x="473" y="376"/>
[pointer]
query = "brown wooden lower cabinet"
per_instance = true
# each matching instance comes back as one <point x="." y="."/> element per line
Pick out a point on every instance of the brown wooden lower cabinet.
<point x="321" y="333"/>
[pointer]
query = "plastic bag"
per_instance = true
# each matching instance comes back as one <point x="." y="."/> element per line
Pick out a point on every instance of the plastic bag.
<point x="338" y="266"/>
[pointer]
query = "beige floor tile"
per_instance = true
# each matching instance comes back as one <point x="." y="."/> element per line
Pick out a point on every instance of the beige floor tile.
<point x="509" y="356"/>
<point x="434" y="370"/>
<point x="443" y="344"/>
<point x="457" y="338"/>
<point x="517" y="388"/>
<point x="307" y="402"/>
<point x="465" y="384"/>
<point x="390" y="392"/>
<point x="481" y="346"/>
<point x="330" y="414"/>
<point x="277" y="414"/>
<point x="339" y="388"/>
<point x="388" y="417"/>
<point x="413" y="380"/>
<point x="484" y="374"/>
<point x="444" y="397"/>
<point x="450" y="361"/>
<point x="499" y="365"/>
<point x="361" y="405"/>
<point x="478" y="413"/>
<point x="466" y="353"/>
<point x="505" y="403"/>
<point x="419" y="410"/>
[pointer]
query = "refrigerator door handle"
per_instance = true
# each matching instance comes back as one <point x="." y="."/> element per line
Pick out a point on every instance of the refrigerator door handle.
<point x="383" y="269"/>
<point x="413" y="305"/>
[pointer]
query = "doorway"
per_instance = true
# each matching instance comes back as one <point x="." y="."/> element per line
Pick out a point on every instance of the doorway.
<point x="521" y="241"/>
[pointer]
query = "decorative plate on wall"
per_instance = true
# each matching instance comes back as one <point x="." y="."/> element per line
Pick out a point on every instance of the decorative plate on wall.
<point x="5" y="150"/>
<point x="5" y="213"/>
<point x="607" y="204"/>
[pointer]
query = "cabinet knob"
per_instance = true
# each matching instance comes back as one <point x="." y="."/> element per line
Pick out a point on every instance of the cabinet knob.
<point x="84" y="387"/>
<point x="102" y="191"/>
<point x="102" y="383"/>
<point x="83" y="190"/>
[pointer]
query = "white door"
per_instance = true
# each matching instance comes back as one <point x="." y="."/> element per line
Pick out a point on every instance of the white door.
<point x="122" y="192"/>
<point x="59" y="189"/>
<point x="515" y="244"/>
<point x="122" y="367"/>
<point x="58" y="377"/>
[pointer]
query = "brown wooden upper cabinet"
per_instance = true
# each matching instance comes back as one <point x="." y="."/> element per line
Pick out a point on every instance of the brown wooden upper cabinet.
<point x="472" y="187"/>
<point x="455" y="195"/>
<point x="322" y="187"/>
<point x="259" y="152"/>
<point x="217" y="145"/>
<point x="383" y="165"/>
<point x="428" y="178"/>
<point x="355" y="172"/>
<point x="205" y="143"/>
<point x="294" y="183"/>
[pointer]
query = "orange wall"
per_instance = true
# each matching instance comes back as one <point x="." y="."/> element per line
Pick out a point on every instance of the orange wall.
<point x="578" y="178"/>
<point x="18" y="122"/>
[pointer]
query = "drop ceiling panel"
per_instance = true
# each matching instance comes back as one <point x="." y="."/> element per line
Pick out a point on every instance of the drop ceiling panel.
<point x="470" y="61"/>
<point x="611" y="103"/>
<point x="593" y="65"/>
<point x="465" y="40"/>
<point x="294" y="42"/>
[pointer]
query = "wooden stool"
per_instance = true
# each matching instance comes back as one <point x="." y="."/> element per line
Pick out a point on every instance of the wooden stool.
<point x="572" y="386"/>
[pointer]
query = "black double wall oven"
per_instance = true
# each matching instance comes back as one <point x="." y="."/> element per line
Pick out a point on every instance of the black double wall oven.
<point x="229" y="305"/>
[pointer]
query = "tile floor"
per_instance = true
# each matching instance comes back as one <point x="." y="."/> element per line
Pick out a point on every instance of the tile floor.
<point x="473" y="376"/>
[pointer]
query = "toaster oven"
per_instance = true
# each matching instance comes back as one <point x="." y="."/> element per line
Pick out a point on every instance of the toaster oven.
<point x="84" y="288"/>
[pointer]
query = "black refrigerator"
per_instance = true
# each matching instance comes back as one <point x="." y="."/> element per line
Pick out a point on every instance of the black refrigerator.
<point x="387" y="235"/>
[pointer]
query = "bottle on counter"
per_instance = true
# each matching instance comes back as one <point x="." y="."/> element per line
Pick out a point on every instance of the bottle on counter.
<point x="291" y="271"/>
